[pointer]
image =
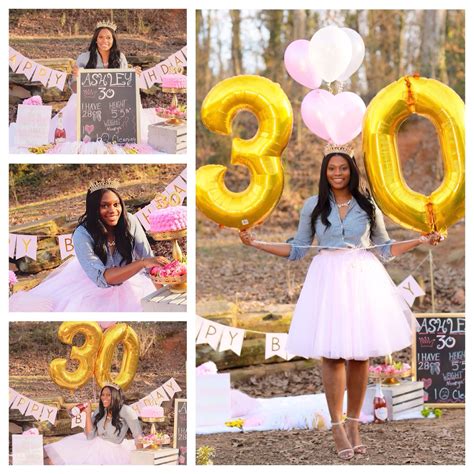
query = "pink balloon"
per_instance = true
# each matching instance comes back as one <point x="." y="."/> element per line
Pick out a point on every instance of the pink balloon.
<point x="106" y="324"/>
<point x="299" y="66"/>
<point x="344" y="121"/>
<point x="313" y="110"/>
<point x="336" y="118"/>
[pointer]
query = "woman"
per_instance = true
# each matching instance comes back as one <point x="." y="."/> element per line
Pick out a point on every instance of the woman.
<point x="103" y="440"/>
<point x="108" y="272"/>
<point x="103" y="53"/>
<point x="349" y="308"/>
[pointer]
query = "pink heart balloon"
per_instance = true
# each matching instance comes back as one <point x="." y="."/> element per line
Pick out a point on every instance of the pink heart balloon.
<point x="312" y="111"/>
<point x="299" y="66"/>
<point x="341" y="115"/>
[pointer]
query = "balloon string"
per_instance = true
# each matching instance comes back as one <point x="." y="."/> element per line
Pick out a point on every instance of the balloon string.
<point x="335" y="248"/>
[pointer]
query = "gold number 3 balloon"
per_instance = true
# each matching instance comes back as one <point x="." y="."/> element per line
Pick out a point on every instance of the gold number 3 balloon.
<point x="386" y="112"/>
<point x="85" y="354"/>
<point x="261" y="154"/>
<point x="95" y="355"/>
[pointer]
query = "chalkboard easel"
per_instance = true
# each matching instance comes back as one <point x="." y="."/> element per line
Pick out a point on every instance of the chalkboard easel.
<point x="180" y="429"/>
<point x="108" y="106"/>
<point x="438" y="358"/>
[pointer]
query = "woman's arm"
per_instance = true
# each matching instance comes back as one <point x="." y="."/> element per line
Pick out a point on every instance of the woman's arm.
<point x="282" y="250"/>
<point x="131" y="418"/>
<point x="402" y="247"/>
<point x="117" y="275"/>
<point x="89" y="429"/>
<point x="299" y="245"/>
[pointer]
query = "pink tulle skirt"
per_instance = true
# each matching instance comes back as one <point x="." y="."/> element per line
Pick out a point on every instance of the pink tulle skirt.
<point x="349" y="308"/>
<point x="68" y="288"/>
<point x="77" y="449"/>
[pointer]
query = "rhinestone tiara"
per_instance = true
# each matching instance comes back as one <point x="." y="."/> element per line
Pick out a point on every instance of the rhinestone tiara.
<point x="106" y="24"/>
<point x="332" y="148"/>
<point x="103" y="184"/>
<point x="113" y="385"/>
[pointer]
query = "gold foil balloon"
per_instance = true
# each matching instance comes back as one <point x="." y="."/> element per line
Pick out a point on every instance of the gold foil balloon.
<point x="386" y="112"/>
<point x="261" y="154"/>
<point x="113" y="336"/>
<point x="85" y="354"/>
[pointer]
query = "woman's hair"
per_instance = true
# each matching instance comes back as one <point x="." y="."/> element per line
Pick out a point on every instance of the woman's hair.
<point x="117" y="399"/>
<point x="323" y="207"/>
<point x="114" y="58"/>
<point x="91" y="220"/>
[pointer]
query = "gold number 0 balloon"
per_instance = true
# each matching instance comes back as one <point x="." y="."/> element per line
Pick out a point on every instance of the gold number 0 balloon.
<point x="85" y="354"/>
<point x="131" y="348"/>
<point x="389" y="108"/>
<point x="261" y="154"/>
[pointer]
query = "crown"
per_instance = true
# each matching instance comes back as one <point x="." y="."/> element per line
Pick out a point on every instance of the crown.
<point x="113" y="385"/>
<point x="106" y="24"/>
<point x="103" y="184"/>
<point x="332" y="148"/>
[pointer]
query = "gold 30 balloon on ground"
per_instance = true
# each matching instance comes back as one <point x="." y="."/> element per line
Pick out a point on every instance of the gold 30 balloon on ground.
<point x="386" y="112"/>
<point x="261" y="154"/>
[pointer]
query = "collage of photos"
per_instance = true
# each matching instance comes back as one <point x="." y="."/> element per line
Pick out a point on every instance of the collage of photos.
<point x="307" y="290"/>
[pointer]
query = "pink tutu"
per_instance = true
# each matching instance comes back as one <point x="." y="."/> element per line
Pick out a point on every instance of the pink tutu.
<point x="77" y="449"/>
<point x="68" y="288"/>
<point x="349" y="308"/>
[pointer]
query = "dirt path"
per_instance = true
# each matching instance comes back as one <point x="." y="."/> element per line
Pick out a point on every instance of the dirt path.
<point x="433" y="441"/>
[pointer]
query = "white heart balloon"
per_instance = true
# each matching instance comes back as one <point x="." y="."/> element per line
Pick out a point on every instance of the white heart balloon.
<point x="330" y="52"/>
<point x="358" y="53"/>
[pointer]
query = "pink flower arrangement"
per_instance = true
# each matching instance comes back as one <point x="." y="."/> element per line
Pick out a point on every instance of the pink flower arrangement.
<point x="385" y="370"/>
<point x="169" y="219"/>
<point x="12" y="277"/>
<point x="172" y="269"/>
<point x="34" y="100"/>
<point x="172" y="111"/>
<point x="208" y="368"/>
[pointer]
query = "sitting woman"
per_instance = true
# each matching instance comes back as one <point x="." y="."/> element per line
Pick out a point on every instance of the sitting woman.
<point x="108" y="272"/>
<point x="103" y="440"/>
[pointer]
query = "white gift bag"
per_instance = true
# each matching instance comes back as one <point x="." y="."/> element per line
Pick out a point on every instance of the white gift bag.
<point x="27" y="449"/>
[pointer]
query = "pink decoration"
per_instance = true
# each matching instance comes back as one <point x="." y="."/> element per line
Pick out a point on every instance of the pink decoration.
<point x="12" y="277"/>
<point x="34" y="100"/>
<point x="253" y="421"/>
<point x="241" y="404"/>
<point x="171" y="269"/>
<point x="89" y="128"/>
<point x="152" y="412"/>
<point x="169" y="219"/>
<point x="341" y="115"/>
<point x="299" y="66"/>
<point x="208" y="368"/>
<point x="31" y="432"/>
<point x="106" y="324"/>
<point x="174" y="81"/>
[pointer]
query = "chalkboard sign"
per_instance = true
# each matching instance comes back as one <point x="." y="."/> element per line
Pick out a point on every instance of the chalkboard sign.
<point x="108" y="107"/>
<point x="438" y="358"/>
<point x="180" y="428"/>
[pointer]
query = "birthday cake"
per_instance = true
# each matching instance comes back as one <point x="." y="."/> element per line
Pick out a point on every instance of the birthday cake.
<point x="152" y="412"/>
<point x="169" y="219"/>
<point x="174" y="81"/>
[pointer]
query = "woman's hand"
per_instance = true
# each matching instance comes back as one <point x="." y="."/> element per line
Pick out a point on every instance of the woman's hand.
<point x="153" y="261"/>
<point x="246" y="237"/>
<point x="434" y="238"/>
<point x="75" y="70"/>
<point x="138" y="70"/>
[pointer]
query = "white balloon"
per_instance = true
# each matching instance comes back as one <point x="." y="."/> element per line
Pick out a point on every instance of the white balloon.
<point x="358" y="52"/>
<point x="331" y="52"/>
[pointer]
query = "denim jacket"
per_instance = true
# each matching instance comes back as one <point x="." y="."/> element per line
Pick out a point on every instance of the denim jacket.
<point x="352" y="232"/>
<point x="92" y="264"/>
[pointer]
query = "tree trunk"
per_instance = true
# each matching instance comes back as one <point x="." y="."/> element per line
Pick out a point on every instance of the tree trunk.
<point x="236" y="48"/>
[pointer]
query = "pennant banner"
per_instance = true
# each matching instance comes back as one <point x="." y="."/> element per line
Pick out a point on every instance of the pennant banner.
<point x="66" y="247"/>
<point x="52" y="78"/>
<point x="79" y="420"/>
<point x="158" y="396"/>
<point x="29" y="407"/>
<point x="26" y="246"/>
<point x="410" y="290"/>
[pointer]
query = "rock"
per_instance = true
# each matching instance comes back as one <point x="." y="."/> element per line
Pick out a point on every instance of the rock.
<point x="459" y="297"/>
<point x="13" y="428"/>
